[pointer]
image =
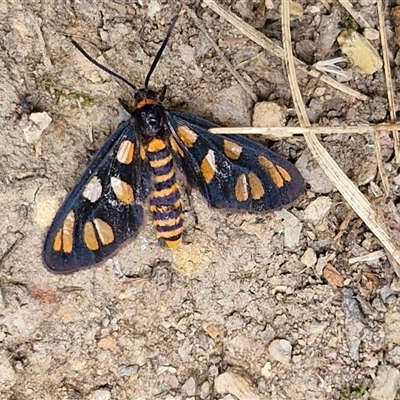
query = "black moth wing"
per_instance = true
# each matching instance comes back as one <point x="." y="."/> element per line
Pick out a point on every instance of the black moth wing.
<point x="246" y="176"/>
<point x="100" y="212"/>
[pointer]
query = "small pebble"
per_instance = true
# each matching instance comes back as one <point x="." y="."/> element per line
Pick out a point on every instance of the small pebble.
<point x="318" y="209"/>
<point x="386" y="293"/>
<point x="205" y="390"/>
<point x="386" y="384"/>
<point x="268" y="113"/>
<point x="127" y="370"/>
<point x="309" y="258"/>
<point x="7" y="373"/>
<point x="280" y="350"/>
<point x="236" y="385"/>
<point x="153" y="8"/>
<point x="266" y="370"/>
<point x="101" y="394"/>
<point x="39" y="122"/>
<point x="371" y="34"/>
<point x="107" y="342"/>
<point x="313" y="174"/>
<point x="190" y="387"/>
<point x="392" y="322"/>
<point x="293" y="227"/>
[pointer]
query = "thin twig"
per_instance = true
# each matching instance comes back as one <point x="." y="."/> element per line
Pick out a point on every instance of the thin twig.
<point x="281" y="132"/>
<point x="370" y="257"/>
<point x="389" y="88"/>
<point x="291" y="70"/>
<point x="4" y="257"/>
<point x="326" y="5"/>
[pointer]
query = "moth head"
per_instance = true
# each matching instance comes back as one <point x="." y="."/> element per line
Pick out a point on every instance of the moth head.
<point x="145" y="96"/>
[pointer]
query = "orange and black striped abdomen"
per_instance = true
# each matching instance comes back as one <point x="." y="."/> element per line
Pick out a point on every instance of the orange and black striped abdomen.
<point x="165" y="199"/>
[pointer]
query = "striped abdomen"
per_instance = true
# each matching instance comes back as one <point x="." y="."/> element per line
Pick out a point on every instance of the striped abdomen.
<point x="165" y="200"/>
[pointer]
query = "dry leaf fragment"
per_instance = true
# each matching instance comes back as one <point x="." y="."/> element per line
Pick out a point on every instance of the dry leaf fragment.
<point x="360" y="51"/>
<point x="373" y="281"/>
<point x="333" y="276"/>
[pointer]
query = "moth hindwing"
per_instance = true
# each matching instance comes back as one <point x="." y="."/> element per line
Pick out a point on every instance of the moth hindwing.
<point x="139" y="161"/>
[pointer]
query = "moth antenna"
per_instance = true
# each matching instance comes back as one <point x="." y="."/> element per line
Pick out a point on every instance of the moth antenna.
<point x="160" y="51"/>
<point x="102" y="67"/>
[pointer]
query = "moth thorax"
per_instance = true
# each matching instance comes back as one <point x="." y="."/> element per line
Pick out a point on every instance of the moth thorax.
<point x="149" y="121"/>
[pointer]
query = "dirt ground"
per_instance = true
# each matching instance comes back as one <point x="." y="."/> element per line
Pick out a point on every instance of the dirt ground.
<point x="246" y="309"/>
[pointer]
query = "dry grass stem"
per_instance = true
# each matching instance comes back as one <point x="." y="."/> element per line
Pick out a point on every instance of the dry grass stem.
<point x="281" y="132"/>
<point x="388" y="76"/>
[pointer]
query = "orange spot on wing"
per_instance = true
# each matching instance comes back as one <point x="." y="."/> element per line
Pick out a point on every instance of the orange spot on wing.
<point x="104" y="231"/>
<point x="256" y="186"/>
<point x="241" y="190"/>
<point x="232" y="150"/>
<point x="271" y="170"/>
<point x="57" y="241"/>
<point x="285" y="175"/>
<point x="208" y="167"/>
<point x="122" y="190"/>
<point x="67" y="232"/>
<point x="125" y="152"/>
<point x="89" y="237"/>
<point x="187" y="136"/>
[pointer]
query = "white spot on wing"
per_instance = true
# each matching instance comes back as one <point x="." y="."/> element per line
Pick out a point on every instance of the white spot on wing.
<point x="93" y="190"/>
<point x="210" y="157"/>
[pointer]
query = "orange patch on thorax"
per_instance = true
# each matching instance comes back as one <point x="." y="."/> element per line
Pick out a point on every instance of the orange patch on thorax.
<point x="145" y="102"/>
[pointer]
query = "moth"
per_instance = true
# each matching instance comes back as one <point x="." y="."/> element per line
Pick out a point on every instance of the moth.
<point x="140" y="160"/>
